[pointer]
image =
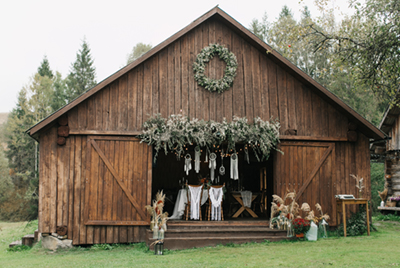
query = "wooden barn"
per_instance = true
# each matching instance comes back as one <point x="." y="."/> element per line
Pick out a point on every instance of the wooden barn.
<point x="99" y="181"/>
<point x="388" y="151"/>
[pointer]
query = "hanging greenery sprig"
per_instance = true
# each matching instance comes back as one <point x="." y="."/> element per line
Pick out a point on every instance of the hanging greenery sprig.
<point x="177" y="131"/>
<point x="199" y="68"/>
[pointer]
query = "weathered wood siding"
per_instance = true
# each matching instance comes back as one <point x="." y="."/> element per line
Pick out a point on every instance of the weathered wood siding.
<point x="165" y="84"/>
<point x="301" y="167"/>
<point x="70" y="195"/>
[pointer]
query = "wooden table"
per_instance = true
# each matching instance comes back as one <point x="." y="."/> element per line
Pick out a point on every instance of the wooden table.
<point x="238" y="197"/>
<point x="341" y="207"/>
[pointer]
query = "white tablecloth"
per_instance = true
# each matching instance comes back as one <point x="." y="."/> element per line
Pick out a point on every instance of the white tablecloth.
<point x="181" y="201"/>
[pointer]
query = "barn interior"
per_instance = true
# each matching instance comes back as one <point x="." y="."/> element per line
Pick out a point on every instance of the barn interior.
<point x="256" y="176"/>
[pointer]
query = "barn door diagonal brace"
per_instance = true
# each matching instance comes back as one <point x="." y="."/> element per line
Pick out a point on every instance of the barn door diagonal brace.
<point x="315" y="170"/>
<point x="118" y="179"/>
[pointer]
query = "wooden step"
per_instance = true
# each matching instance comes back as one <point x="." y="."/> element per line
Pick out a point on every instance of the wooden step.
<point x="192" y="242"/>
<point x="15" y="243"/>
<point x="236" y="232"/>
<point x="27" y="240"/>
<point x="216" y="224"/>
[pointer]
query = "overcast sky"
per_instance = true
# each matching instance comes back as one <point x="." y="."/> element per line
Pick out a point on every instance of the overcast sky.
<point x="31" y="29"/>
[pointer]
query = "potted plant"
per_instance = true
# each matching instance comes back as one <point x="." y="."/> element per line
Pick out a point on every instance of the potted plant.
<point x="300" y="226"/>
<point x="396" y="199"/>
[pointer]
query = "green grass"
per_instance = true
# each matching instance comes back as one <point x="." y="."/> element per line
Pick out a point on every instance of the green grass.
<point x="378" y="250"/>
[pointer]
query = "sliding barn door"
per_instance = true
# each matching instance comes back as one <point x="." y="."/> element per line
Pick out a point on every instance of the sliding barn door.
<point x="308" y="168"/>
<point x="119" y="181"/>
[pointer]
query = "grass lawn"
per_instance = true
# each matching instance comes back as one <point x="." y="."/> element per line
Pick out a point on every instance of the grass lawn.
<point x="381" y="249"/>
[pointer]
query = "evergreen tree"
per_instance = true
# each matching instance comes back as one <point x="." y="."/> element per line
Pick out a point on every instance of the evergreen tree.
<point x="20" y="147"/>
<point x="82" y="75"/>
<point x="59" y="93"/>
<point x="44" y="68"/>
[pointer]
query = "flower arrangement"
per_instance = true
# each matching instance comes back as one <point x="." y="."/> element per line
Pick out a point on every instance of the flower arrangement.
<point x="158" y="218"/>
<point x="199" y="67"/>
<point x="301" y="226"/>
<point x="395" y="199"/>
<point x="177" y="131"/>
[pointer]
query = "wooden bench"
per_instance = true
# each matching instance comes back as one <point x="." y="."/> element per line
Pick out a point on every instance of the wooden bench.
<point x="389" y="210"/>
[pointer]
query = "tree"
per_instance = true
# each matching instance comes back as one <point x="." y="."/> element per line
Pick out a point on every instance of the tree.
<point x="292" y="39"/>
<point x="59" y="93"/>
<point x="137" y="51"/>
<point x="44" y="68"/>
<point x="260" y="28"/>
<point x="82" y="74"/>
<point x="369" y="42"/>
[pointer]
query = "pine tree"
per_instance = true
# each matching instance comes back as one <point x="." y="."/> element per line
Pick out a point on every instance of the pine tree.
<point x="44" y="68"/>
<point x="82" y="75"/>
<point x="59" y="93"/>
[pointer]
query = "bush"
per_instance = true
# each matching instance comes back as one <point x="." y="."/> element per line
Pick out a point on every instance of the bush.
<point x="356" y="225"/>
<point x="377" y="184"/>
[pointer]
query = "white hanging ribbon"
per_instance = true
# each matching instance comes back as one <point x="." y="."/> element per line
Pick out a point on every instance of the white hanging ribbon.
<point x="197" y="154"/>
<point x="212" y="165"/>
<point x="194" y="202"/>
<point x="188" y="164"/>
<point x="234" y="167"/>
<point x="216" y="195"/>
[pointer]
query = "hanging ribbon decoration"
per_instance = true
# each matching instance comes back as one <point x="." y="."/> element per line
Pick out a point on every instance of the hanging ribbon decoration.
<point x="197" y="153"/>
<point x="212" y="165"/>
<point x="222" y="168"/>
<point x="188" y="164"/>
<point x="234" y="166"/>
<point x="246" y="153"/>
<point x="206" y="156"/>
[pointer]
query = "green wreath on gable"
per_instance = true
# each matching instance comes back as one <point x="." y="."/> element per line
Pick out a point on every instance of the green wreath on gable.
<point x="199" y="66"/>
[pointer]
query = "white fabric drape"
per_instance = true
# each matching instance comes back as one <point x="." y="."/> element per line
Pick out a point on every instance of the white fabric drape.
<point x="197" y="153"/>
<point x="216" y="195"/>
<point x="188" y="164"/>
<point x="234" y="167"/>
<point x="212" y="165"/>
<point x="194" y="202"/>
<point x="246" y="197"/>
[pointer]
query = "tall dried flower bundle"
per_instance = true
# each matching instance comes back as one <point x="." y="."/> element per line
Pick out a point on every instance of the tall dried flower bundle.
<point x="383" y="194"/>
<point x="359" y="181"/>
<point x="322" y="215"/>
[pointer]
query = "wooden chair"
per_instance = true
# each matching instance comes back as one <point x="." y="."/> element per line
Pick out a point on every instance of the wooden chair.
<point x="187" y="210"/>
<point x="208" y="211"/>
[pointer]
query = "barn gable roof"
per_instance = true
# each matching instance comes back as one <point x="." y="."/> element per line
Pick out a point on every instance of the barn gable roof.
<point x="363" y="125"/>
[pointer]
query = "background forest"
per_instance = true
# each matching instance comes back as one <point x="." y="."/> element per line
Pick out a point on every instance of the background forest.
<point x="355" y="58"/>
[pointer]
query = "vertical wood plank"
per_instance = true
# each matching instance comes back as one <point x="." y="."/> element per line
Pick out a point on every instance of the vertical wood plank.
<point x="273" y="94"/>
<point x="248" y="82"/>
<point x="132" y="99"/>
<point x="130" y="153"/>
<point x="170" y="80"/>
<point x="154" y="86"/>
<point x="163" y="84"/>
<point x="256" y="88"/>
<point x="147" y="85"/>
<point x="177" y="77"/>
<point x="60" y="184"/>
<point x="191" y="82"/>
<point x="238" y="85"/>
<point x="77" y="189"/>
<point x="69" y="174"/>
<point x="84" y="180"/>
<point x="264" y="88"/>
<point x="111" y="212"/>
<point x="53" y="179"/>
<point x="140" y="104"/>
<point x="282" y="97"/>
<point x="123" y="103"/>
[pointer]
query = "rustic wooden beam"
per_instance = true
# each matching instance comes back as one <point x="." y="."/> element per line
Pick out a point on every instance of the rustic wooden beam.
<point x="120" y="223"/>
<point x="118" y="179"/>
<point x="311" y="138"/>
<point x="315" y="170"/>
<point x="105" y="132"/>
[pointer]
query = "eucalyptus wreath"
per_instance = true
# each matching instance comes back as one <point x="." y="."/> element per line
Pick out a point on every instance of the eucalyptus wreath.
<point x="177" y="131"/>
<point x="199" y="66"/>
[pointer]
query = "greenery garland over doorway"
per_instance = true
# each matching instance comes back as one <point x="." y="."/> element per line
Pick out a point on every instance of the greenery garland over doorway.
<point x="177" y="131"/>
